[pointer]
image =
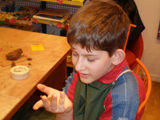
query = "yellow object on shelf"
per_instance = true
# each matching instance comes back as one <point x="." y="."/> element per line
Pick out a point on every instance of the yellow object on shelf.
<point x="69" y="61"/>
<point x="69" y="58"/>
<point x="4" y="15"/>
<point x="49" y="22"/>
<point x="70" y="65"/>
<point x="67" y="2"/>
<point x="78" y="0"/>
<point x="2" y="19"/>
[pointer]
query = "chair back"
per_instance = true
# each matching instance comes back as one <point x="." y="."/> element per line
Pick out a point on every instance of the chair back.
<point x="131" y="25"/>
<point x="147" y="82"/>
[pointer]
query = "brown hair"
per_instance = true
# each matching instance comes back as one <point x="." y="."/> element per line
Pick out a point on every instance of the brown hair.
<point x="99" y="25"/>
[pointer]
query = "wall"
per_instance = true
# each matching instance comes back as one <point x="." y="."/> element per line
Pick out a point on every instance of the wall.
<point x="149" y="11"/>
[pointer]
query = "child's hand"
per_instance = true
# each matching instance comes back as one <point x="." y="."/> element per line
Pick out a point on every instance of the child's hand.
<point x="56" y="102"/>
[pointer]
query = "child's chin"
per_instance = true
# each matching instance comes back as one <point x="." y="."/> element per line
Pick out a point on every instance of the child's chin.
<point x="85" y="81"/>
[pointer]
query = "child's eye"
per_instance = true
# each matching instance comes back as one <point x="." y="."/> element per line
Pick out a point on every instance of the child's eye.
<point x="91" y="60"/>
<point x="74" y="54"/>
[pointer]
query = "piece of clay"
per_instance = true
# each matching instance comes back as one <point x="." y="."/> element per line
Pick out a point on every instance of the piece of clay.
<point x="29" y="59"/>
<point x="15" y="54"/>
<point x="13" y="64"/>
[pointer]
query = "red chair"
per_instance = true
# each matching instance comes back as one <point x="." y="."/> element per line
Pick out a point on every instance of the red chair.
<point x="134" y="49"/>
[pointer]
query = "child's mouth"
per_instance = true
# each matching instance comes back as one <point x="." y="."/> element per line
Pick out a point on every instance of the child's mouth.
<point x="83" y="75"/>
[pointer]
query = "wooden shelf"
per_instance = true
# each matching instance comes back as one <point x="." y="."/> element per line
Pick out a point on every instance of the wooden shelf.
<point x="25" y="22"/>
<point x="48" y="22"/>
<point x="70" y="65"/>
<point x="2" y="19"/>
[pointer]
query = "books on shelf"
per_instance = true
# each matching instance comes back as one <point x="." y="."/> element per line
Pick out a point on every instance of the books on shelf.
<point x="51" y="14"/>
<point x="26" y="10"/>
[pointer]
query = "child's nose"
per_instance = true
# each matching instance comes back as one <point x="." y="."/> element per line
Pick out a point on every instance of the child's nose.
<point x="79" y="65"/>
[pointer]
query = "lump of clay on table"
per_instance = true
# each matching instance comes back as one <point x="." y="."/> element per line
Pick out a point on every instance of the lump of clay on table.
<point x="15" y="54"/>
<point x="29" y="59"/>
<point x="13" y="64"/>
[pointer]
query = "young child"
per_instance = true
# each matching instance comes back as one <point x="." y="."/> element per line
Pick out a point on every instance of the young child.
<point x="103" y="87"/>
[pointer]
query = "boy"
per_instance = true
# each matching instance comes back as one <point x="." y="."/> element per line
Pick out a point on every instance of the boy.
<point x="103" y="87"/>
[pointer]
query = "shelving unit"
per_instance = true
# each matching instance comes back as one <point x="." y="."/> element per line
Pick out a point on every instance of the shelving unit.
<point x="64" y="2"/>
<point x="42" y="4"/>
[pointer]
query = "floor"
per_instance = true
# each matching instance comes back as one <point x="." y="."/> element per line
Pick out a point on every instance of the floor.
<point x="152" y="109"/>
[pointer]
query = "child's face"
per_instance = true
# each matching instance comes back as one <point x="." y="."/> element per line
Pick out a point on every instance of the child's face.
<point x="91" y="65"/>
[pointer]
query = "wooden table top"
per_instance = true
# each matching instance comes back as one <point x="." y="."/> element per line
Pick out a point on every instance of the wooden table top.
<point x="12" y="92"/>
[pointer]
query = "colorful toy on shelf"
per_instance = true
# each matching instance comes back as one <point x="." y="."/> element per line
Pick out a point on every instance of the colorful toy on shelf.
<point x="4" y="15"/>
<point x="51" y="14"/>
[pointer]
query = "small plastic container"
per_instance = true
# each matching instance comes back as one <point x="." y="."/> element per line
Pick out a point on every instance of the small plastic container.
<point x="19" y="72"/>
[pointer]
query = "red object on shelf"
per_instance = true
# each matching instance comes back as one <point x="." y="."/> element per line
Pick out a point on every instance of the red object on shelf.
<point x="59" y="1"/>
<point x="7" y="20"/>
<point x="13" y="21"/>
<point x="66" y="27"/>
<point x="35" y="20"/>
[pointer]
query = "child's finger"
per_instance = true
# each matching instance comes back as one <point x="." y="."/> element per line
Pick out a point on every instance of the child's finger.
<point x="44" y="88"/>
<point x="37" y="105"/>
<point x="46" y="102"/>
<point x="61" y="101"/>
<point x="62" y="98"/>
<point x="54" y="102"/>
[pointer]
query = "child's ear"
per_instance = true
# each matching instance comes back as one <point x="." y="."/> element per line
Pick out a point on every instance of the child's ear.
<point x="118" y="56"/>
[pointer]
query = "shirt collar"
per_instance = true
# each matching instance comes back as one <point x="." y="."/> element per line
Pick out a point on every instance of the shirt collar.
<point x="113" y="74"/>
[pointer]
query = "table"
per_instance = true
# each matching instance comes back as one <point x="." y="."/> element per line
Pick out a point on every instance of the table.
<point x="48" y="66"/>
